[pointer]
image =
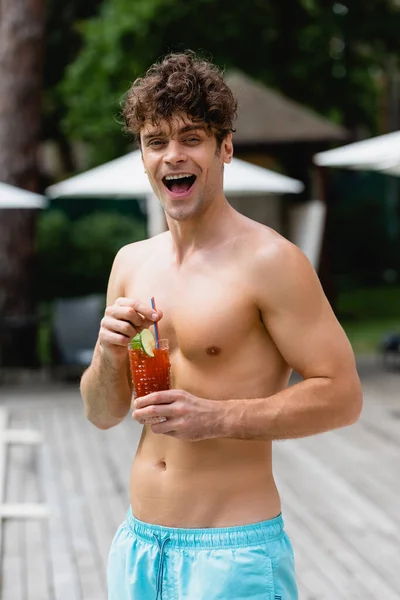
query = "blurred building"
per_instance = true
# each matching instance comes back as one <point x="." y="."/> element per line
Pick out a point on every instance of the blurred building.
<point x="276" y="132"/>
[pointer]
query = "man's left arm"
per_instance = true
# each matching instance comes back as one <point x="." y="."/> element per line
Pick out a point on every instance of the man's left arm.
<point x="300" y="321"/>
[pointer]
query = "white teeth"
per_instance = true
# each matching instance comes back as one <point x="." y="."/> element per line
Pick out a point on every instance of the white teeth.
<point x="178" y="176"/>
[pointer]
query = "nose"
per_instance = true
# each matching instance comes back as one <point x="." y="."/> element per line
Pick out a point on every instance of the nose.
<point x="175" y="153"/>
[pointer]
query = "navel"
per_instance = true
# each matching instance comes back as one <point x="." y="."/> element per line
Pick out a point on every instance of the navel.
<point x="213" y="350"/>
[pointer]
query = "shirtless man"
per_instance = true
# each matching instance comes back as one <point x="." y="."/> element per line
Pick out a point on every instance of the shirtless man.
<point x="241" y="307"/>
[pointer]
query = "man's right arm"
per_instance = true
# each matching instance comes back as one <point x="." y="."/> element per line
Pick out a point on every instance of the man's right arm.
<point x="106" y="387"/>
<point x="106" y="390"/>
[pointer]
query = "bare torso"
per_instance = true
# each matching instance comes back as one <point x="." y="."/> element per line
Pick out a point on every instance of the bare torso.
<point x="220" y="349"/>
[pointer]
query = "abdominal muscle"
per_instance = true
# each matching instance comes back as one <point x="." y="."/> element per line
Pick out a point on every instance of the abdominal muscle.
<point x="212" y="483"/>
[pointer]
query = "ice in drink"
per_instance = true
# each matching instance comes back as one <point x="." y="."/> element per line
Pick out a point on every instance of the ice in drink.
<point x="150" y="373"/>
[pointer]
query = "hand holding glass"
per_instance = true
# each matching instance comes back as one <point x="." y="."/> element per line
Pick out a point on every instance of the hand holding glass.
<point x="150" y="370"/>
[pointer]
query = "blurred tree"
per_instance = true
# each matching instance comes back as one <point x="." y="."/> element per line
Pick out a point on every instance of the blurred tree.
<point x="75" y="257"/>
<point x="21" y="49"/>
<point x="62" y="44"/>
<point x="323" y="54"/>
<point x="96" y="239"/>
<point x="55" y="254"/>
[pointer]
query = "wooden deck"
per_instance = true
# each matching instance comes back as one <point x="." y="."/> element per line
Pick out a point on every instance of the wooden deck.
<point x="340" y="494"/>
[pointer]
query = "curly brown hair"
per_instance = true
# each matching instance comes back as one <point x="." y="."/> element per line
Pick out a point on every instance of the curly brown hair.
<point x="181" y="83"/>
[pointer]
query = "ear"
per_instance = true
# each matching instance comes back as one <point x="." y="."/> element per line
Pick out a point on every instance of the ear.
<point x="227" y="148"/>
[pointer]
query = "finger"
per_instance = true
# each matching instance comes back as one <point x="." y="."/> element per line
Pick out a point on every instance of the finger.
<point x="150" y="412"/>
<point x="152" y="420"/>
<point x="110" y="338"/>
<point x="120" y="327"/>
<point x="143" y="309"/>
<point x="131" y="316"/>
<point x="165" y="428"/>
<point x="124" y="314"/>
<point x="165" y="397"/>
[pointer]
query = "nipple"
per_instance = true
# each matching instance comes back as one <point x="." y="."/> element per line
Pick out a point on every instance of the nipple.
<point x="213" y="350"/>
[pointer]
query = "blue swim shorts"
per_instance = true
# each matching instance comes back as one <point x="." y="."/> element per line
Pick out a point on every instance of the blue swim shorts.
<point x="150" y="562"/>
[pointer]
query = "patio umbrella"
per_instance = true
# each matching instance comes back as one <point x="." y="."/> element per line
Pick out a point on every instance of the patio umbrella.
<point x="14" y="197"/>
<point x="381" y="153"/>
<point x="125" y="177"/>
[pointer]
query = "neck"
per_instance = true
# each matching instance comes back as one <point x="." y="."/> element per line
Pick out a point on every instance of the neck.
<point x="203" y="231"/>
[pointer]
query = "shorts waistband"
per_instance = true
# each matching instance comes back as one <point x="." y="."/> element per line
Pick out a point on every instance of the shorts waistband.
<point x="222" y="537"/>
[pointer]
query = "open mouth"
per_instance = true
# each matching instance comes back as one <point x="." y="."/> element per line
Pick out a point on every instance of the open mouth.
<point x="179" y="184"/>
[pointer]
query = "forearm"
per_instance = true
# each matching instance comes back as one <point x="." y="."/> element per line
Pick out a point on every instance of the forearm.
<point x="105" y="390"/>
<point x="312" y="406"/>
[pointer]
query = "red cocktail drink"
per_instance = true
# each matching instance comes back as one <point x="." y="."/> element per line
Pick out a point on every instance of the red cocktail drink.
<point x="150" y="373"/>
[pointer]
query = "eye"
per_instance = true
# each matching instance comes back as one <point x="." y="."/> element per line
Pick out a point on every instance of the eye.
<point x="156" y="143"/>
<point x="193" y="139"/>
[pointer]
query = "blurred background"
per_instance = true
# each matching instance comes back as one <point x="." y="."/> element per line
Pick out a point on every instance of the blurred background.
<point x="317" y="157"/>
<point x="309" y="75"/>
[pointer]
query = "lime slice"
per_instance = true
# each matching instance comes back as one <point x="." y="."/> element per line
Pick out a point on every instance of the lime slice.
<point x="147" y="341"/>
<point x="135" y="343"/>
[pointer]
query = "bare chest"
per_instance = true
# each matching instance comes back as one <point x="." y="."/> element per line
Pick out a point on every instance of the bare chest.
<point x="206" y="315"/>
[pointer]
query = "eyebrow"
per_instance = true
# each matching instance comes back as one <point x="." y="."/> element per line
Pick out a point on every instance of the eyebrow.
<point x="181" y="131"/>
<point x="188" y="128"/>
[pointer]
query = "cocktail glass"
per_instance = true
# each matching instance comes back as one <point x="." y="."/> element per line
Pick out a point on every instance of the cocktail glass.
<point x="150" y="373"/>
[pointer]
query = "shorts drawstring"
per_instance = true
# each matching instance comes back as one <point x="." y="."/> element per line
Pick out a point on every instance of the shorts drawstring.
<point x="160" y="565"/>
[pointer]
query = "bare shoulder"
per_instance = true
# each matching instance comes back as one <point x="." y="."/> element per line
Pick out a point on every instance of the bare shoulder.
<point x="136" y="253"/>
<point x="279" y="269"/>
<point x="129" y="259"/>
<point x="269" y="249"/>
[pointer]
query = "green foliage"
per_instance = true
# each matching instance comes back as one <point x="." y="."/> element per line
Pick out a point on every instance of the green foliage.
<point x="62" y="44"/>
<point x="96" y="239"/>
<point x="368" y="314"/>
<point x="370" y="303"/>
<point x="366" y="336"/>
<point x="323" y="54"/>
<point x="55" y="250"/>
<point x="75" y="257"/>
<point x="52" y="234"/>
<point x="363" y="253"/>
<point x="114" y="49"/>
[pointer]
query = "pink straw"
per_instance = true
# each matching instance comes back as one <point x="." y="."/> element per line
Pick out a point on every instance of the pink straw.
<point x="156" y="332"/>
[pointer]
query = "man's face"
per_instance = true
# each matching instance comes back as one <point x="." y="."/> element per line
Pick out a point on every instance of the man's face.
<point x="184" y="166"/>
